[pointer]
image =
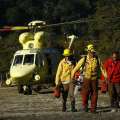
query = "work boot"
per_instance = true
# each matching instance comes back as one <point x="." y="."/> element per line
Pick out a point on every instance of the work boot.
<point x="85" y="109"/>
<point x="64" y="96"/>
<point x="64" y="107"/>
<point x="93" y="110"/>
<point x="73" y="109"/>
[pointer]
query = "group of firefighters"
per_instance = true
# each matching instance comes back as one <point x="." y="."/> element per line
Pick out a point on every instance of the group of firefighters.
<point x="89" y="67"/>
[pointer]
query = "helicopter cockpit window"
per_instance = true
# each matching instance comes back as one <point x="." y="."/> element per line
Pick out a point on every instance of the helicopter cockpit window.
<point x="18" y="59"/>
<point x="29" y="59"/>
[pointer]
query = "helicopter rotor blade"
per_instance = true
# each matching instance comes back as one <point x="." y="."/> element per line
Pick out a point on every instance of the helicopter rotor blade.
<point x="20" y="28"/>
<point x="82" y="20"/>
<point x="67" y="23"/>
<point x="15" y="28"/>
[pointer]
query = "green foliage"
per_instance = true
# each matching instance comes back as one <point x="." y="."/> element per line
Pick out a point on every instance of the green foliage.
<point x="9" y="45"/>
<point x="106" y="27"/>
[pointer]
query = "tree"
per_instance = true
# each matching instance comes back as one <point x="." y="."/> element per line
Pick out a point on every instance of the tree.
<point x="106" y="26"/>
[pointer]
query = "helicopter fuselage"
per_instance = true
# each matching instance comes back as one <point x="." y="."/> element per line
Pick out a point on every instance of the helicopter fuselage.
<point x="28" y="66"/>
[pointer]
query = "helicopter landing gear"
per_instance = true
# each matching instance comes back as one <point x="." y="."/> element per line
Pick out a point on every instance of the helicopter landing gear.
<point x="20" y="89"/>
<point x="27" y="90"/>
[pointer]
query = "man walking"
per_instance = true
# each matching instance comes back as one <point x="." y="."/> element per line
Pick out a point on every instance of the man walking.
<point x="90" y="65"/>
<point x="63" y="76"/>
<point x="112" y="66"/>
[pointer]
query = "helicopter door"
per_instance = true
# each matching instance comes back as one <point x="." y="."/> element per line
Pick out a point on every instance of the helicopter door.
<point x="42" y="66"/>
<point x="39" y="60"/>
<point x="48" y="57"/>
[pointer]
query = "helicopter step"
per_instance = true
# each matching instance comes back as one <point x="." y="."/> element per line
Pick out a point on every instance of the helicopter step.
<point x="28" y="89"/>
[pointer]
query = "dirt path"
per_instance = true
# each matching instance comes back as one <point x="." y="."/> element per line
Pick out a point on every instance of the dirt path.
<point x="45" y="106"/>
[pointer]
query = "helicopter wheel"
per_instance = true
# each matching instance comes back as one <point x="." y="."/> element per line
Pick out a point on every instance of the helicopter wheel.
<point x="27" y="90"/>
<point x="20" y="89"/>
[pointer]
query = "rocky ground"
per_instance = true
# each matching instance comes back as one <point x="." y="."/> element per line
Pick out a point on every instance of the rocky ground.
<point x="46" y="107"/>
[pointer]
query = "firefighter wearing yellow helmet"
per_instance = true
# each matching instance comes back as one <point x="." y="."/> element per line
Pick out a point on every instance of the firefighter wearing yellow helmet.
<point x="90" y="65"/>
<point x="67" y="52"/>
<point x="90" y="48"/>
<point x="63" y="77"/>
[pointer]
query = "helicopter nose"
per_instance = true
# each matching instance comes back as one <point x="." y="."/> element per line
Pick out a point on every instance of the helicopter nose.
<point x="21" y="71"/>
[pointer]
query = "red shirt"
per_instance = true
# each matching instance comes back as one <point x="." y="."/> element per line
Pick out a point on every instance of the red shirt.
<point x="113" y="70"/>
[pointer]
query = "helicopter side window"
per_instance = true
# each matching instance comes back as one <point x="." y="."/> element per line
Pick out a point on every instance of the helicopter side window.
<point x="29" y="59"/>
<point x="48" y="57"/>
<point x="18" y="59"/>
<point x="39" y="60"/>
<point x="42" y="60"/>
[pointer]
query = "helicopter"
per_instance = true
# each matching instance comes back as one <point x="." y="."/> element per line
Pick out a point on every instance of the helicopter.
<point x="34" y="64"/>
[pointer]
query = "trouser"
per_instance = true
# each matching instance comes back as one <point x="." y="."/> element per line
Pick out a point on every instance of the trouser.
<point x="114" y="93"/>
<point x="68" y="89"/>
<point x="90" y="90"/>
<point x="65" y="90"/>
<point x="76" y="90"/>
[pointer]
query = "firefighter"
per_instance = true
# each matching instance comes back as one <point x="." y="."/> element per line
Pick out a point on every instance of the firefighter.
<point x="90" y="65"/>
<point x="112" y="66"/>
<point x="63" y="76"/>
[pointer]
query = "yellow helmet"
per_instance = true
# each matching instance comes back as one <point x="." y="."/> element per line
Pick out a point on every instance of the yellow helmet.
<point x="67" y="52"/>
<point x="90" y="47"/>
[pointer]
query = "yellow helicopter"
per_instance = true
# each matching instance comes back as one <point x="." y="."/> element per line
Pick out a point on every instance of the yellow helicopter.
<point x="34" y="64"/>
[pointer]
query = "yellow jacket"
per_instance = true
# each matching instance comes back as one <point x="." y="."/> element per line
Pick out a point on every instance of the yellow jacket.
<point x="64" y="72"/>
<point x="90" y="70"/>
